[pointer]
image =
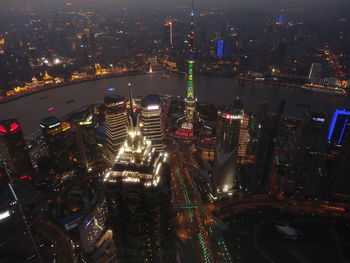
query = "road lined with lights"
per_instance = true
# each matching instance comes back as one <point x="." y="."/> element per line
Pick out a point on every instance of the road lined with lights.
<point x="191" y="224"/>
<point x="232" y="206"/>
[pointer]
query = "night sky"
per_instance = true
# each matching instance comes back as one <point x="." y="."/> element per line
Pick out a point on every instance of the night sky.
<point x="177" y="3"/>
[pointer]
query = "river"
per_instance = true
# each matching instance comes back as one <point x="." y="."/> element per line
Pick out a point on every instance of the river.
<point x="219" y="90"/>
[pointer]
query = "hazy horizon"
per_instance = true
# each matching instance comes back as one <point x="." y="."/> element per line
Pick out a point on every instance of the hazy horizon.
<point x="178" y="3"/>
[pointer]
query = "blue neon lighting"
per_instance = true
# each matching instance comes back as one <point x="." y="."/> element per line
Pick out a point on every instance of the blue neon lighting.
<point x="220" y="48"/>
<point x="111" y="89"/>
<point x="282" y="19"/>
<point x="334" y="121"/>
<point x="342" y="131"/>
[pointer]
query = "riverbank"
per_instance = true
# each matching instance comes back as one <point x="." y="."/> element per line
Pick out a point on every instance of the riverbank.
<point x="65" y="84"/>
<point x="270" y="82"/>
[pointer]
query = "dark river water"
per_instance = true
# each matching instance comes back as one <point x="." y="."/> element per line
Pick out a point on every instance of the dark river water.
<point x="218" y="90"/>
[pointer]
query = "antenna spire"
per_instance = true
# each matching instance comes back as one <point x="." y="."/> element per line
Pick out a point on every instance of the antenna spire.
<point x="131" y="105"/>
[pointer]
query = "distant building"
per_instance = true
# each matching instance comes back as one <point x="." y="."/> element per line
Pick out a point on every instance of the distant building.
<point x="13" y="150"/>
<point x="315" y="72"/>
<point x="169" y="34"/>
<point x="281" y="19"/>
<point x="55" y="140"/>
<point x="116" y="123"/>
<point x="151" y="121"/>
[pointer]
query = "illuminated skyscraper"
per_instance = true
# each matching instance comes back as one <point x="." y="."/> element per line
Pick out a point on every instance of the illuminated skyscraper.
<point x="169" y="35"/>
<point x="133" y="186"/>
<point x="13" y="150"/>
<point x="231" y="143"/>
<point x="55" y="140"/>
<point x="116" y="123"/>
<point x="151" y="120"/>
<point x="339" y="126"/>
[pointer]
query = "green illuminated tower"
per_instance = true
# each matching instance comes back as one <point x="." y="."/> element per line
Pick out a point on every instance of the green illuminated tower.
<point x="190" y="101"/>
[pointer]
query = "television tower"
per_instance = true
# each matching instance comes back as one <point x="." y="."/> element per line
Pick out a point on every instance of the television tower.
<point x="190" y="100"/>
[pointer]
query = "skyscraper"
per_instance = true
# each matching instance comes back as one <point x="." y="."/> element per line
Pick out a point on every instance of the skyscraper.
<point x="169" y="35"/>
<point x="133" y="186"/>
<point x="116" y="123"/>
<point x="338" y="126"/>
<point x="151" y="120"/>
<point x="307" y="165"/>
<point x="55" y="140"/>
<point x="228" y="136"/>
<point x="13" y="151"/>
<point x="263" y="132"/>
<point x="86" y="139"/>
<point x="340" y="179"/>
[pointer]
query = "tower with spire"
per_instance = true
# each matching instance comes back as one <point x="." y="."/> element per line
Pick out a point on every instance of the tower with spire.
<point x="190" y="101"/>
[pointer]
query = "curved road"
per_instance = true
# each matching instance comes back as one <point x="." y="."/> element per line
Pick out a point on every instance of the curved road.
<point x="227" y="208"/>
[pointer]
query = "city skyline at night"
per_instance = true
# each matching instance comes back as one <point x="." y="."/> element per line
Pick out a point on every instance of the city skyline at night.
<point x="167" y="132"/>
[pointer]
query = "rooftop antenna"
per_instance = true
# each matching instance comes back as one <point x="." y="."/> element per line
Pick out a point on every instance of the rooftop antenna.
<point x="131" y="105"/>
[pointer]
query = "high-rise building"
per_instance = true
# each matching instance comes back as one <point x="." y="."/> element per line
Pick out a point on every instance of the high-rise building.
<point x="169" y="42"/>
<point x="55" y="140"/>
<point x="85" y="136"/>
<point x="230" y="133"/>
<point x="151" y="122"/>
<point x="308" y="158"/>
<point x="263" y="123"/>
<point x="133" y="192"/>
<point x="338" y="126"/>
<point x="13" y="150"/>
<point x="116" y="123"/>
<point x="315" y="72"/>
<point x="339" y="178"/>
<point x="93" y="225"/>
<point x="281" y="19"/>
<point x="16" y="240"/>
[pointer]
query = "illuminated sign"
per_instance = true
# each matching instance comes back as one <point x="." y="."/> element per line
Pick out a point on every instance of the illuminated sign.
<point x="111" y="89"/>
<point x="153" y="107"/>
<point x="190" y="93"/>
<point x="2" y="130"/>
<point x="14" y="127"/>
<point x="4" y="215"/>
<point x="119" y="103"/>
<point x="54" y="125"/>
<point x="232" y="117"/>
<point x="319" y="119"/>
